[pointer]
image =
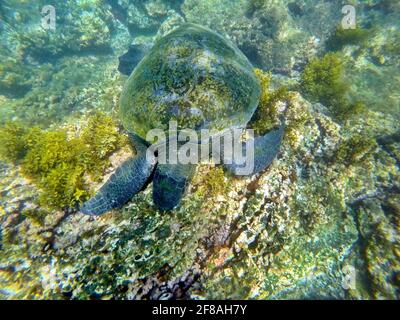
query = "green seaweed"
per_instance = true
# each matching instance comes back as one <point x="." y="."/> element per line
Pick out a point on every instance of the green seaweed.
<point x="102" y="137"/>
<point x="392" y="45"/>
<point x="266" y="115"/>
<point x="323" y="80"/>
<point x="57" y="163"/>
<point x="214" y="183"/>
<point x="342" y="37"/>
<point x="355" y="150"/>
<point x="37" y="216"/>
<point x="12" y="147"/>
<point x="14" y="77"/>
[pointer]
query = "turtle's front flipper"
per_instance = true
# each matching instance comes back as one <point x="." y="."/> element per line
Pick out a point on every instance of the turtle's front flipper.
<point x="170" y="183"/>
<point x="266" y="148"/>
<point x="127" y="180"/>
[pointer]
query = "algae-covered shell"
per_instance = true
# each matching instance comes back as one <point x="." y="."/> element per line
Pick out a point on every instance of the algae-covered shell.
<point x="193" y="76"/>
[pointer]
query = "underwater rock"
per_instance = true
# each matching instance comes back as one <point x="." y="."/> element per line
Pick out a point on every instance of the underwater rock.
<point x="15" y="78"/>
<point x="378" y="220"/>
<point x="81" y="26"/>
<point x="143" y="17"/>
<point x="76" y="86"/>
<point x="270" y="35"/>
<point x="369" y="65"/>
<point x="328" y="203"/>
<point x="156" y="288"/>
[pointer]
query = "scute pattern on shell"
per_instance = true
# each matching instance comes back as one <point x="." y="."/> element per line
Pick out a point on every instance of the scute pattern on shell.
<point x="192" y="76"/>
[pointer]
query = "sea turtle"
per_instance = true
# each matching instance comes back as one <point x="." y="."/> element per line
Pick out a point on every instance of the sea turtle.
<point x="199" y="79"/>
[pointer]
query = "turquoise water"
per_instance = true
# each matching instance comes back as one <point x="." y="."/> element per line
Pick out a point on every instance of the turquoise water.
<point x="321" y="221"/>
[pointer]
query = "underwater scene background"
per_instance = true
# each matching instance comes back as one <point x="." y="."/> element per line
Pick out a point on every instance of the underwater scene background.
<point x="322" y="222"/>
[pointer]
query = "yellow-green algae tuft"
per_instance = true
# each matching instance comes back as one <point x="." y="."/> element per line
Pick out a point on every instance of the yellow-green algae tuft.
<point x="355" y="150"/>
<point x="57" y="162"/>
<point x="266" y="115"/>
<point x="323" y="80"/>
<point x="342" y="37"/>
<point x="12" y="144"/>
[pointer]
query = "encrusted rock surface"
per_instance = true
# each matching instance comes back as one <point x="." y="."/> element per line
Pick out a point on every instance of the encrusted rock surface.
<point x="327" y="208"/>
